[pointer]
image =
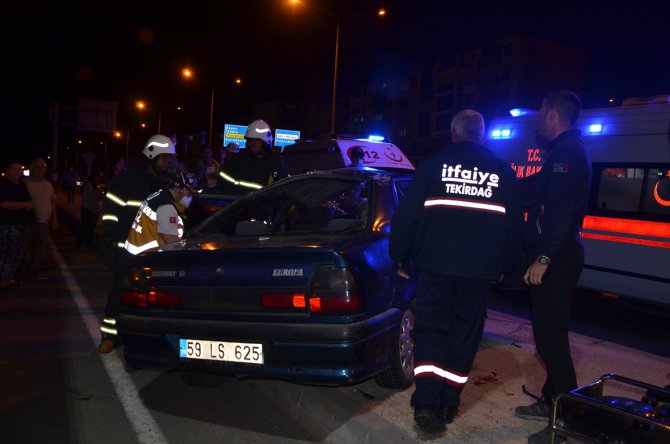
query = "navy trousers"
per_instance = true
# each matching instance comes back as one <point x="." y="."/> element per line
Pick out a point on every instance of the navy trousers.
<point x="450" y="314"/>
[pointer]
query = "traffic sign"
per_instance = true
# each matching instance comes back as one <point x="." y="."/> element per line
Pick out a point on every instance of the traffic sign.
<point x="234" y="133"/>
<point x="286" y="137"/>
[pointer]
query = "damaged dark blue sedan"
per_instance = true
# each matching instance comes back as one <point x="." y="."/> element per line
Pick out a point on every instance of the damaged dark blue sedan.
<point x="293" y="282"/>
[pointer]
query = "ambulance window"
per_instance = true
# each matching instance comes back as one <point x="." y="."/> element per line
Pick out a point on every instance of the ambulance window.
<point x="620" y="189"/>
<point x="657" y="194"/>
<point x="401" y="188"/>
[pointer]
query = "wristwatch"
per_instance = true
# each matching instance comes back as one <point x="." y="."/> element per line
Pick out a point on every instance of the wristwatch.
<point x="544" y="260"/>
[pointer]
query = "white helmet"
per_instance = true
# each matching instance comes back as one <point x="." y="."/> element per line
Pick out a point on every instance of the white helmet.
<point x="259" y="129"/>
<point x="157" y="145"/>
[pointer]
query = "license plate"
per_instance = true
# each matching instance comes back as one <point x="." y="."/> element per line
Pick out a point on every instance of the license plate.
<point x="221" y="351"/>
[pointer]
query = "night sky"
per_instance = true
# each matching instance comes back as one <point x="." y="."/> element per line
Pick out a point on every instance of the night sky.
<point x="123" y="51"/>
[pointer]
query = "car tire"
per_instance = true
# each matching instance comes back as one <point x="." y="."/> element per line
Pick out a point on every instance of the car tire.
<point x="400" y="373"/>
<point x="201" y="379"/>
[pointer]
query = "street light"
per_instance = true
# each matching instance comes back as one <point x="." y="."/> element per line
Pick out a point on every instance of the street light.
<point x="380" y="12"/>
<point x="188" y="74"/>
<point x="141" y="105"/>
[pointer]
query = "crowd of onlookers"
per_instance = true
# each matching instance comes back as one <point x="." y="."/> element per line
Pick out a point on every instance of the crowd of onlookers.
<point x="28" y="204"/>
<point x="27" y="215"/>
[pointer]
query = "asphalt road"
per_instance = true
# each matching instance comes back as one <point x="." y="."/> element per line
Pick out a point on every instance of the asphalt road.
<point x="635" y="324"/>
<point x="55" y="387"/>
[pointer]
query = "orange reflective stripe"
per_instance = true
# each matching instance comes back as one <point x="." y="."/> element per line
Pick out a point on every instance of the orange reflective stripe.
<point x="623" y="230"/>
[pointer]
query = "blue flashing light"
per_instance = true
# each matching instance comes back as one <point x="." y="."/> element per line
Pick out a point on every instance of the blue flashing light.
<point x="516" y="112"/>
<point x="375" y="138"/>
<point x="505" y="133"/>
<point x="595" y="128"/>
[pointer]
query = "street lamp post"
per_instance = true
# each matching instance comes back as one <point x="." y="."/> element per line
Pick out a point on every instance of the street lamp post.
<point x="211" y="116"/>
<point x="380" y="12"/>
<point x="188" y="74"/>
<point x="337" y="56"/>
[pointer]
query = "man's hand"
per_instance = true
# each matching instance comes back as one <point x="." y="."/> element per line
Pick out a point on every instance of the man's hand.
<point x="535" y="273"/>
<point x="400" y="271"/>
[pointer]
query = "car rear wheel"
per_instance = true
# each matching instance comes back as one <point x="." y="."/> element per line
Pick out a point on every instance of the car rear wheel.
<point x="400" y="373"/>
<point x="201" y="379"/>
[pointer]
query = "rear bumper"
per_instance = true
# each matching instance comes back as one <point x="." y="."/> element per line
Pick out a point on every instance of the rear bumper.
<point x="326" y="354"/>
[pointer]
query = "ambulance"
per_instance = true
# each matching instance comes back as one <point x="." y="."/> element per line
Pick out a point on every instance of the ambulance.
<point x="332" y="152"/>
<point x="626" y="232"/>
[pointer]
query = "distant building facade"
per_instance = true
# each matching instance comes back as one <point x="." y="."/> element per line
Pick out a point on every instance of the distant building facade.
<point x="514" y="71"/>
<point x="415" y="111"/>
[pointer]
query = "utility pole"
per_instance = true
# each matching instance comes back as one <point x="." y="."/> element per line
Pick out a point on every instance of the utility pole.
<point x="54" y="134"/>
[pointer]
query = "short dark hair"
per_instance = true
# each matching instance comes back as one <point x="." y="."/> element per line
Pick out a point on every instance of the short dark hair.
<point x="566" y="103"/>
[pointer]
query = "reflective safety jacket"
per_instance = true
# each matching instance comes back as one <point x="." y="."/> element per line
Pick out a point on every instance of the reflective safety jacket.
<point x="246" y="172"/>
<point x="461" y="215"/>
<point x="157" y="215"/>
<point x="124" y="196"/>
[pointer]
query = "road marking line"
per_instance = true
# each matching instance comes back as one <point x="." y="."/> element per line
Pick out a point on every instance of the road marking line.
<point x="145" y="426"/>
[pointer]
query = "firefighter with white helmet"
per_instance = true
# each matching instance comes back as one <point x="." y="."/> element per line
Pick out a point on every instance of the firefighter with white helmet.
<point x="124" y="196"/>
<point x="259" y="129"/>
<point x="257" y="165"/>
<point x="157" y="145"/>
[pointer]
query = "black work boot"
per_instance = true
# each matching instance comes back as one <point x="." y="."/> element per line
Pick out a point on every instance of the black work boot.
<point x="429" y="419"/>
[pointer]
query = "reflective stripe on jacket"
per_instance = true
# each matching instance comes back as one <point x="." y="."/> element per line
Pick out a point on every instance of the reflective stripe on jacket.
<point x="143" y="234"/>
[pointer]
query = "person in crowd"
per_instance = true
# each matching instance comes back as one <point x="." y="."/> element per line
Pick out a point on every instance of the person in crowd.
<point x="158" y="220"/>
<point x="70" y="179"/>
<point x="459" y="227"/>
<point x="179" y="162"/>
<point x="227" y="154"/>
<point x="124" y="196"/>
<point x="16" y="218"/>
<point x="116" y="167"/>
<point x="257" y="165"/>
<point x="208" y="173"/>
<point x="356" y="155"/>
<point x="91" y="200"/>
<point x="553" y="243"/>
<point x="43" y="195"/>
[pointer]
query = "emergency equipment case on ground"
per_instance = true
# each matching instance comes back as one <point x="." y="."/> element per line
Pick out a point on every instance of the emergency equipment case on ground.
<point x="591" y="414"/>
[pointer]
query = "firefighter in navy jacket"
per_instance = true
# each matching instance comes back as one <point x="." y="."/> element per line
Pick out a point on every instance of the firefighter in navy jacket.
<point x="124" y="196"/>
<point x="459" y="226"/>
<point x="554" y="245"/>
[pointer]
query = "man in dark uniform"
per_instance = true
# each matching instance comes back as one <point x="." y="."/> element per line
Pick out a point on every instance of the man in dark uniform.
<point x="124" y="196"/>
<point x="459" y="225"/>
<point x="257" y="165"/>
<point x="553" y="242"/>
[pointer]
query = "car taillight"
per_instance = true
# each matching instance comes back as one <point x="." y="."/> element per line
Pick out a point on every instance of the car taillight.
<point x="153" y="298"/>
<point x="334" y="290"/>
<point x="283" y="300"/>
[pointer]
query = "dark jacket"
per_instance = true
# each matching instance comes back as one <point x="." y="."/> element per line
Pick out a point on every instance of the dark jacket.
<point x="18" y="192"/>
<point x="124" y="196"/>
<point x="460" y="216"/>
<point x="560" y="200"/>
<point x="248" y="168"/>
